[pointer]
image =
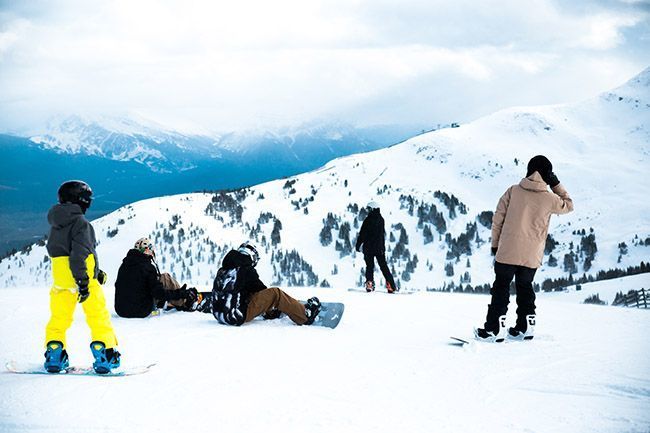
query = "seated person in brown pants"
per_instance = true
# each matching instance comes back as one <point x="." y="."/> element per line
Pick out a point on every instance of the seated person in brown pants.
<point x="140" y="287"/>
<point x="238" y="295"/>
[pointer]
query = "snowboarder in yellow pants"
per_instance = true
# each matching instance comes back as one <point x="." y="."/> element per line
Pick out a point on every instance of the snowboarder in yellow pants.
<point x="77" y="278"/>
<point x="63" y="301"/>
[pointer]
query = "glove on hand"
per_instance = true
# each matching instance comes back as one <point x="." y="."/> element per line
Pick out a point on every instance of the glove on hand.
<point x="551" y="179"/>
<point x="102" y="277"/>
<point x="191" y="295"/>
<point x="83" y="290"/>
<point x="494" y="251"/>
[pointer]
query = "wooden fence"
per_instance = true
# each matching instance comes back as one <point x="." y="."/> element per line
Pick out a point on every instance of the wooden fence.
<point x="634" y="298"/>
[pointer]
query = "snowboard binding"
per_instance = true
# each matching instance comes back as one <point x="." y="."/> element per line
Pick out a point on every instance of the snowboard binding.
<point x="312" y="308"/>
<point x="482" y="334"/>
<point x="105" y="359"/>
<point x="56" y="357"/>
<point x="370" y="286"/>
<point x="526" y="334"/>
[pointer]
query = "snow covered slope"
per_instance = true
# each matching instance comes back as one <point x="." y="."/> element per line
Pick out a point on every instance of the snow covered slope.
<point x="388" y="367"/>
<point x="436" y="191"/>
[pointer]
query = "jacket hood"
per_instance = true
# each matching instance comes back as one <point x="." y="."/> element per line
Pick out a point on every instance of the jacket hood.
<point x="63" y="215"/>
<point x="135" y="256"/>
<point x="534" y="182"/>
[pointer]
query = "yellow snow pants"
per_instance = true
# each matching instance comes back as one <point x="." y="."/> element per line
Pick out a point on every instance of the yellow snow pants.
<point x="63" y="301"/>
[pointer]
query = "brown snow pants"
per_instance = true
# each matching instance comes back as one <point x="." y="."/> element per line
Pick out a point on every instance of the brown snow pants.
<point x="169" y="283"/>
<point x="274" y="298"/>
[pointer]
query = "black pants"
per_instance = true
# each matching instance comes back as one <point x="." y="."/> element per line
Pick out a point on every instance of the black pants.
<point x="501" y="294"/>
<point x="383" y="266"/>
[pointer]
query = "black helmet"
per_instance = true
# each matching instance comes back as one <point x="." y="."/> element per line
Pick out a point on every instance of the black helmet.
<point x="250" y="250"/>
<point x="77" y="192"/>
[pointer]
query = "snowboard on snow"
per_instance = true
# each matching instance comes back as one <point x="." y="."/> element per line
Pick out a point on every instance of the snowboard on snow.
<point x="459" y="341"/>
<point x="14" y="367"/>
<point x="398" y="292"/>
<point x="330" y="314"/>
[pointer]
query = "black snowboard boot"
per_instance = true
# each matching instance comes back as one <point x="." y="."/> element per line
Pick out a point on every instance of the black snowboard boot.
<point x="491" y="335"/>
<point x="312" y="308"/>
<point x="523" y="333"/>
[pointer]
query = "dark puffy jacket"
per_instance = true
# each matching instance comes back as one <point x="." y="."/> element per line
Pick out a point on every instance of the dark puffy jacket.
<point x="230" y="301"/>
<point x="137" y="285"/>
<point x="372" y="234"/>
<point x="71" y="235"/>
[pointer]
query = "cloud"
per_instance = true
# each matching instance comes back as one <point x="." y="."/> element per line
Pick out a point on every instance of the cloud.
<point x="224" y="65"/>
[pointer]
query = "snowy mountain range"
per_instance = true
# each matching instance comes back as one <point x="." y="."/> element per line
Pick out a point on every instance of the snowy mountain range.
<point x="132" y="138"/>
<point x="436" y="192"/>
<point x="130" y="158"/>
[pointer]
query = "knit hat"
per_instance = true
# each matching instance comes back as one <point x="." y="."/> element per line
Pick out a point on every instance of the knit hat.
<point x="539" y="164"/>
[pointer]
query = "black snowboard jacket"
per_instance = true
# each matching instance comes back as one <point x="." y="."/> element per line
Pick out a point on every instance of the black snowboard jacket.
<point x="137" y="285"/>
<point x="372" y="234"/>
<point x="230" y="304"/>
<point x="71" y="235"/>
<point x="248" y="280"/>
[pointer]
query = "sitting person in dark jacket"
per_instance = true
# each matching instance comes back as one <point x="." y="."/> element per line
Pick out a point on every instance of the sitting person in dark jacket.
<point x="239" y="296"/>
<point x="140" y="288"/>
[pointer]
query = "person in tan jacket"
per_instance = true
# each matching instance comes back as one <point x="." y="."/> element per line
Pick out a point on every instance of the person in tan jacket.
<point x="519" y="230"/>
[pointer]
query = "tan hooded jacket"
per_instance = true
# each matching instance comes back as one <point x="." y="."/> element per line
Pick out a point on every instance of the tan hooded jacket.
<point x="520" y="223"/>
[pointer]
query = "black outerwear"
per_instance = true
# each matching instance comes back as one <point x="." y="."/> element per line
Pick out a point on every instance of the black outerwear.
<point x="230" y="304"/>
<point x="248" y="281"/>
<point x="71" y="235"/>
<point x="372" y="234"/>
<point x="137" y="285"/>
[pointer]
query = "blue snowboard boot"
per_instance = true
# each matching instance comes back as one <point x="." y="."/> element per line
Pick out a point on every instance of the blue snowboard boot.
<point x="56" y="358"/>
<point x="105" y="359"/>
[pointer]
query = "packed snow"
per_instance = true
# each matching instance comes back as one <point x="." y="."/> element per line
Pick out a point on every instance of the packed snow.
<point x="389" y="366"/>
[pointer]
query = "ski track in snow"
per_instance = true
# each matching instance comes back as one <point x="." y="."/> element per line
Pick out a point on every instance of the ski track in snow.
<point x="389" y="366"/>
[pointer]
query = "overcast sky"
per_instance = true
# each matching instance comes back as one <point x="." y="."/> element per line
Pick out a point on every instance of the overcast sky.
<point x="226" y="64"/>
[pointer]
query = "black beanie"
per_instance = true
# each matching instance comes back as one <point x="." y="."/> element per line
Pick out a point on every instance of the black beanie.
<point x="539" y="164"/>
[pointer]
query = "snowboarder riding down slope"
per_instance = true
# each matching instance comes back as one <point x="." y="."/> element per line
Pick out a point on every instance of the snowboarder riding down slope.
<point x="238" y="295"/>
<point x="140" y="287"/>
<point x="373" y="236"/>
<point x="77" y="279"/>
<point x="519" y="229"/>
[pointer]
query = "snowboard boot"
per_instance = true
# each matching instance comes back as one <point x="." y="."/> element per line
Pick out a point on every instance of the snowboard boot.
<point x="490" y="336"/>
<point x="205" y="304"/>
<point x="517" y="333"/>
<point x="56" y="357"/>
<point x="389" y="288"/>
<point x="105" y="359"/>
<point x="312" y="308"/>
<point x="370" y="286"/>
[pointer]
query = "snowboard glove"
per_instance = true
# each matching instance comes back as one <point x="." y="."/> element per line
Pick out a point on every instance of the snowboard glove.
<point x="102" y="277"/>
<point x="83" y="290"/>
<point x="191" y="295"/>
<point x="551" y="179"/>
<point x="494" y="250"/>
